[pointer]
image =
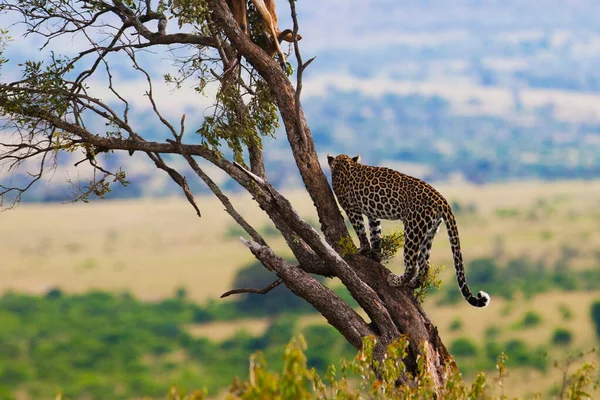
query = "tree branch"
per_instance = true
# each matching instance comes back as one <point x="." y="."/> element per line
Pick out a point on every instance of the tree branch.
<point x="337" y="312"/>
<point x="264" y="290"/>
<point x="305" y="155"/>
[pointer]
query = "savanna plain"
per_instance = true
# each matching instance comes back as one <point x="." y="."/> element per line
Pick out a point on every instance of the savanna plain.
<point x="535" y="247"/>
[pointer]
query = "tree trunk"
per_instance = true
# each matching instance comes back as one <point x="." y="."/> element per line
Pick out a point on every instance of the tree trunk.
<point x="393" y="311"/>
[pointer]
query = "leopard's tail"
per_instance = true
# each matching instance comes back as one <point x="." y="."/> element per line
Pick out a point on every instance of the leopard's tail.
<point x="482" y="299"/>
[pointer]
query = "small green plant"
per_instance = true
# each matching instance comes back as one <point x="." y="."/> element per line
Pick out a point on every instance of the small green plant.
<point x="565" y="312"/>
<point x="346" y="246"/>
<point x="577" y="385"/>
<point x="456" y="324"/>
<point x="562" y="337"/>
<point x="391" y="243"/>
<point x="432" y="281"/>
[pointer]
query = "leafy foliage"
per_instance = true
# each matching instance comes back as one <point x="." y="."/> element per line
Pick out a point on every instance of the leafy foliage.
<point x="113" y="346"/>
<point x="432" y="282"/>
<point x="357" y="379"/>
<point x="391" y="243"/>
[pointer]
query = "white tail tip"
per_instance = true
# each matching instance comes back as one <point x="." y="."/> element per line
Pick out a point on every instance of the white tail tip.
<point x="484" y="295"/>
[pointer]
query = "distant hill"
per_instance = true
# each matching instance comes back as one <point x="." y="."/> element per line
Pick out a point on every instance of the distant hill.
<point x="482" y="90"/>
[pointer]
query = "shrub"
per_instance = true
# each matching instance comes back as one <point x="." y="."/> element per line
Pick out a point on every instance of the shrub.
<point x="595" y="312"/>
<point x="562" y="336"/>
<point x="456" y="324"/>
<point x="483" y="270"/>
<point x="530" y="319"/>
<point x="492" y="332"/>
<point x="463" y="347"/>
<point x="269" y="231"/>
<point x="357" y="380"/>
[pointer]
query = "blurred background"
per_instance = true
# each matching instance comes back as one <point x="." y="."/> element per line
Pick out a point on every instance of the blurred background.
<point x="497" y="103"/>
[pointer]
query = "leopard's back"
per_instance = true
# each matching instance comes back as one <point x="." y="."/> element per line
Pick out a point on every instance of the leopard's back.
<point x="383" y="193"/>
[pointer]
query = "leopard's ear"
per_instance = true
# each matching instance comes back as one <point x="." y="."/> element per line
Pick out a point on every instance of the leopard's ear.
<point x="356" y="159"/>
<point x="330" y="159"/>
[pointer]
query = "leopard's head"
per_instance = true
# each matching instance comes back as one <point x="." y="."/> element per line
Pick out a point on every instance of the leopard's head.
<point x="341" y="159"/>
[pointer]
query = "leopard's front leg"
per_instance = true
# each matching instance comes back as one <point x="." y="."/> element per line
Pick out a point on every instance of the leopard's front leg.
<point x="411" y="255"/>
<point x="375" y="231"/>
<point x="358" y="223"/>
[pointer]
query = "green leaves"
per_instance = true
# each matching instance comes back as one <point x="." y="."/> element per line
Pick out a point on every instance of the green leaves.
<point x="238" y="125"/>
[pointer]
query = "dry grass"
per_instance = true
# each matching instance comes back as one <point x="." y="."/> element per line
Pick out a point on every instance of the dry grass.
<point x="223" y="329"/>
<point x="150" y="247"/>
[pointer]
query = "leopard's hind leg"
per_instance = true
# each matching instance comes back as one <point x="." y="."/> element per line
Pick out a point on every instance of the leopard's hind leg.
<point x="433" y="227"/>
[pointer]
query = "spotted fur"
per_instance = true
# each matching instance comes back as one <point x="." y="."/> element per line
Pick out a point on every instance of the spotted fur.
<point x="382" y="193"/>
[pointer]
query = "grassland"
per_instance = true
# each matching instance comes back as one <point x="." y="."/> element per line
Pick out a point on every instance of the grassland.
<point x="152" y="247"/>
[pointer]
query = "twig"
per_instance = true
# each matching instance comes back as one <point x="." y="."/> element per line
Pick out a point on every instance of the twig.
<point x="177" y="177"/>
<point x="182" y="130"/>
<point x="253" y="290"/>
<point x="301" y="68"/>
<point x="220" y="195"/>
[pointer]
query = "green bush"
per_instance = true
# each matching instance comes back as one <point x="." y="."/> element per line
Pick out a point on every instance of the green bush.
<point x="463" y="347"/>
<point x="595" y="313"/>
<point x="455" y="325"/>
<point x="357" y="379"/>
<point x="112" y="346"/>
<point x="234" y="231"/>
<point x="530" y="319"/>
<point x="562" y="337"/>
<point x="492" y="332"/>
<point x="483" y="271"/>
<point x="521" y="355"/>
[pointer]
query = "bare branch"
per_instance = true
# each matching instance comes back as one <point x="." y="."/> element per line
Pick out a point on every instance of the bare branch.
<point x="339" y="314"/>
<point x="264" y="290"/>
<point x="177" y="178"/>
<point x="221" y="196"/>
<point x="364" y="295"/>
<point x="304" y="151"/>
<point x="300" y="70"/>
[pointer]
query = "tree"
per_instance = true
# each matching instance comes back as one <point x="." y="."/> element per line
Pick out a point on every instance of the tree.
<point x="52" y="110"/>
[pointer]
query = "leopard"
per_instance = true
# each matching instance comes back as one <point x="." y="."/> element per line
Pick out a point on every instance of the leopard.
<point x="383" y="193"/>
